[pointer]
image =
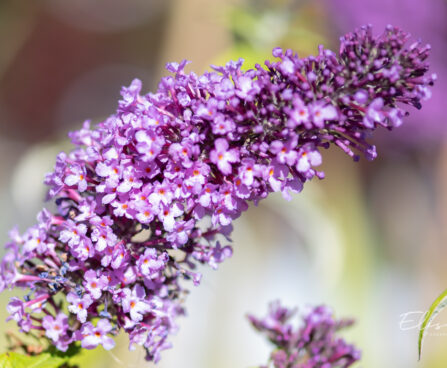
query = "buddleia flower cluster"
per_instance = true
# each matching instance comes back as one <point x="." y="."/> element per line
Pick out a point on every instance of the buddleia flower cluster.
<point x="313" y="344"/>
<point x="151" y="192"/>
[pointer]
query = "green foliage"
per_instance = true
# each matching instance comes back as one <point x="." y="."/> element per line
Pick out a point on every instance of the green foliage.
<point x="439" y="304"/>
<point x="73" y="350"/>
<point x="256" y="29"/>
<point x="44" y="360"/>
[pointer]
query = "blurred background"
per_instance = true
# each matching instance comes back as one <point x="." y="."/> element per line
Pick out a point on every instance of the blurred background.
<point x="369" y="240"/>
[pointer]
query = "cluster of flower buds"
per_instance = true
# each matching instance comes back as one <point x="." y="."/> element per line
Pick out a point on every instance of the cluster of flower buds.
<point x="314" y="344"/>
<point x="151" y="192"/>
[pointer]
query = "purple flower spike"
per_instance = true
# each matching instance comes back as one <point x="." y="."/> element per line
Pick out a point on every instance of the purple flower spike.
<point x="152" y="191"/>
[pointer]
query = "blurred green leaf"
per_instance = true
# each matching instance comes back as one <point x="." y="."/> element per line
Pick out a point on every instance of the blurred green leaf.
<point x="15" y="360"/>
<point x="257" y="29"/>
<point x="439" y="304"/>
<point x="73" y="350"/>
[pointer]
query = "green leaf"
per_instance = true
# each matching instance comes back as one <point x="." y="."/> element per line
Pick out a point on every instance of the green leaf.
<point x="73" y="350"/>
<point x="15" y="360"/>
<point x="439" y="304"/>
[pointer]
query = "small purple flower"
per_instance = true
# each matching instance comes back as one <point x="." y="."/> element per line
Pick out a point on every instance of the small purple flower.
<point x="308" y="157"/>
<point x="275" y="175"/>
<point x="15" y="309"/>
<point x="168" y="214"/>
<point x="35" y="240"/>
<point x="91" y="336"/>
<point x="222" y="216"/>
<point x="55" y="328"/>
<point x="219" y="254"/>
<point x="162" y="193"/>
<point x="223" y="157"/>
<point x="222" y="125"/>
<point x="150" y="264"/>
<point x="321" y="113"/>
<point x="214" y="255"/>
<point x="130" y="180"/>
<point x="73" y="233"/>
<point x="94" y="284"/>
<point x="77" y="177"/>
<point x="122" y="208"/>
<point x="395" y="117"/>
<point x="247" y="88"/>
<point x="111" y="171"/>
<point x="120" y="256"/>
<point x="130" y="93"/>
<point x="208" y="110"/>
<point x="291" y="185"/>
<point x="86" y="210"/>
<point x="145" y="211"/>
<point x="134" y="303"/>
<point x="110" y="193"/>
<point x="287" y="66"/>
<point x="374" y="113"/>
<point x="147" y="169"/>
<point x="225" y="89"/>
<point x="196" y="176"/>
<point x="102" y="233"/>
<point x="299" y="115"/>
<point x="206" y="195"/>
<point x="83" y="250"/>
<point x="149" y="144"/>
<point x="129" y="275"/>
<point x="55" y="179"/>
<point x="361" y="97"/>
<point x="182" y="152"/>
<point x="285" y="152"/>
<point x="26" y="324"/>
<point x="79" y="305"/>
<point x="247" y="171"/>
<point x="180" y="234"/>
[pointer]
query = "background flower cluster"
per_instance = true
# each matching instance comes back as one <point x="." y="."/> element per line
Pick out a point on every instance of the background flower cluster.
<point x="313" y="344"/>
